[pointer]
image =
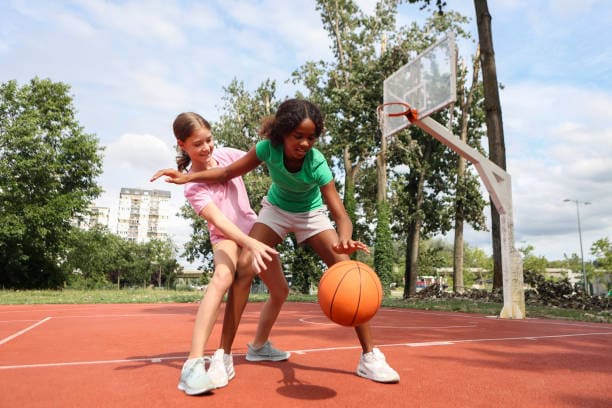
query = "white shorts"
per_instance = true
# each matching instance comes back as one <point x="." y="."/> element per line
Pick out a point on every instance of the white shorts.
<point x="304" y="225"/>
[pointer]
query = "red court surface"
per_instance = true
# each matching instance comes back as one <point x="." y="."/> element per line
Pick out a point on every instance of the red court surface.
<point x="131" y="356"/>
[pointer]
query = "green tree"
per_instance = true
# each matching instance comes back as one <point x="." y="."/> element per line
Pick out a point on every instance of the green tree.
<point x="533" y="262"/>
<point x="477" y="258"/>
<point x="48" y="167"/>
<point x="198" y="248"/>
<point x="90" y="257"/>
<point x="602" y="250"/>
<point x="162" y="261"/>
<point x="383" y="255"/>
<point x="306" y="269"/>
<point x="242" y="112"/>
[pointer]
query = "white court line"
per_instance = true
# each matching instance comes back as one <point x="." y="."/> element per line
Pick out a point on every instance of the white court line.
<point x="465" y="315"/>
<point x="81" y="363"/>
<point x="5" y="310"/>
<point x="306" y="351"/>
<point x="98" y="316"/>
<point x="19" y="321"/>
<point x="376" y="326"/>
<point x="9" y="338"/>
<point x="531" y="338"/>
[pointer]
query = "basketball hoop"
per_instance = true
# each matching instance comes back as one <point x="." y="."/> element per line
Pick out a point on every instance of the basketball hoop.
<point x="395" y="110"/>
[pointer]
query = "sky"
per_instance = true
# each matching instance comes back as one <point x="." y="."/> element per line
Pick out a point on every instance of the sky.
<point x="133" y="65"/>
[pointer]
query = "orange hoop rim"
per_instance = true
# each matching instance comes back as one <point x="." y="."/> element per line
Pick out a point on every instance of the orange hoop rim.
<point x="410" y="113"/>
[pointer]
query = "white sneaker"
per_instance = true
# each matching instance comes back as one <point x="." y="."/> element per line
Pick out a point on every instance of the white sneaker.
<point x="194" y="379"/>
<point x="228" y="362"/>
<point x="373" y="366"/>
<point x="221" y="368"/>
<point x="266" y="353"/>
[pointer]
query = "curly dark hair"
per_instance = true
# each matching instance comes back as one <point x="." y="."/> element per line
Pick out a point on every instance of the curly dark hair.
<point x="184" y="125"/>
<point x="289" y="115"/>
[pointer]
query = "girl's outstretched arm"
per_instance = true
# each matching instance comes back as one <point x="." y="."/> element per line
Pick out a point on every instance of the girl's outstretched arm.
<point x="262" y="253"/>
<point x="216" y="175"/>
<point x="344" y="226"/>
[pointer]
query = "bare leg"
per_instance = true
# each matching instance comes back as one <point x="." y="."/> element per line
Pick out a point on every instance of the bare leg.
<point x="322" y="245"/>
<point x="279" y="289"/>
<point x="226" y="256"/>
<point x="275" y="280"/>
<point x="239" y="292"/>
<point x="237" y="299"/>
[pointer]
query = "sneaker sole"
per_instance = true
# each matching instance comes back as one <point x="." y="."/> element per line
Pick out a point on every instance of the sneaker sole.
<point x="221" y="384"/>
<point x="267" y="358"/>
<point x="384" y="381"/>
<point x="191" y="391"/>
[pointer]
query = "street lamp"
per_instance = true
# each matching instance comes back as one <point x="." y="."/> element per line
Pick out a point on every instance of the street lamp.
<point x="578" y="202"/>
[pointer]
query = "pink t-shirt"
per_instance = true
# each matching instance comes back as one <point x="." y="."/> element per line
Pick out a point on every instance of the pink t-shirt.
<point x="230" y="197"/>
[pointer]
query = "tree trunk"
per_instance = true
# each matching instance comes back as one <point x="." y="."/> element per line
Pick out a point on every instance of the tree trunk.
<point x="414" y="235"/>
<point x="381" y="171"/>
<point x="458" y="284"/>
<point x="495" y="133"/>
<point x="350" y="175"/>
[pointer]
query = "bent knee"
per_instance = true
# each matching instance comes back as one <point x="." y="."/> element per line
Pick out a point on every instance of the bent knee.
<point x="222" y="281"/>
<point x="279" y="292"/>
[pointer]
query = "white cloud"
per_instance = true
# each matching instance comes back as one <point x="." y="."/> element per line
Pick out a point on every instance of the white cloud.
<point x="136" y="152"/>
<point x="75" y="25"/>
<point x="147" y="21"/>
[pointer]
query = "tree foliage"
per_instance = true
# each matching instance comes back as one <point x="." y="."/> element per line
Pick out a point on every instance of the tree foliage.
<point x="48" y="167"/>
<point x="602" y="250"/>
<point x="96" y="258"/>
<point x="532" y="262"/>
<point x="383" y="255"/>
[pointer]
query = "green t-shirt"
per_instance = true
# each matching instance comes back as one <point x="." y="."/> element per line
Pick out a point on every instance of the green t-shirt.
<point x="294" y="192"/>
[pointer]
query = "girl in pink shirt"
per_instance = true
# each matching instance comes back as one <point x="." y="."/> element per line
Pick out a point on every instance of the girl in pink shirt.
<point x="226" y="208"/>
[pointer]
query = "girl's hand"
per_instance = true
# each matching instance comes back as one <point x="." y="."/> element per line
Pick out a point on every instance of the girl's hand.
<point x="260" y="254"/>
<point x="350" y="246"/>
<point x="172" y="176"/>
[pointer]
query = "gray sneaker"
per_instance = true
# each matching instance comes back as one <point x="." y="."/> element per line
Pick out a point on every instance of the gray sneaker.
<point x="194" y="379"/>
<point x="373" y="366"/>
<point x="221" y="368"/>
<point x="266" y="353"/>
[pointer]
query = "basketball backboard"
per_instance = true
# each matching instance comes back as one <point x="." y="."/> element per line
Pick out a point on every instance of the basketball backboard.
<point x="427" y="84"/>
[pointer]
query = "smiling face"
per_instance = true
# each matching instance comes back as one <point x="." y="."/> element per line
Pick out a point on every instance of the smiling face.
<point x="199" y="146"/>
<point x="299" y="141"/>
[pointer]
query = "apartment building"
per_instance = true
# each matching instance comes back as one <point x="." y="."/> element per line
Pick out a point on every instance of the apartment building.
<point x="143" y="214"/>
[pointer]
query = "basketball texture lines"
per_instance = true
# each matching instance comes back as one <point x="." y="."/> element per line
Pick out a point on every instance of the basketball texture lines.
<point x="350" y="293"/>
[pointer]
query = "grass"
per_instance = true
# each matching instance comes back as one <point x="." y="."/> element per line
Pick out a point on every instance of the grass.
<point x="71" y="296"/>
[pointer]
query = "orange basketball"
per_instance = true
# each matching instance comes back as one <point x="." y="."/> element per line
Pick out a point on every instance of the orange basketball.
<point x="350" y="293"/>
